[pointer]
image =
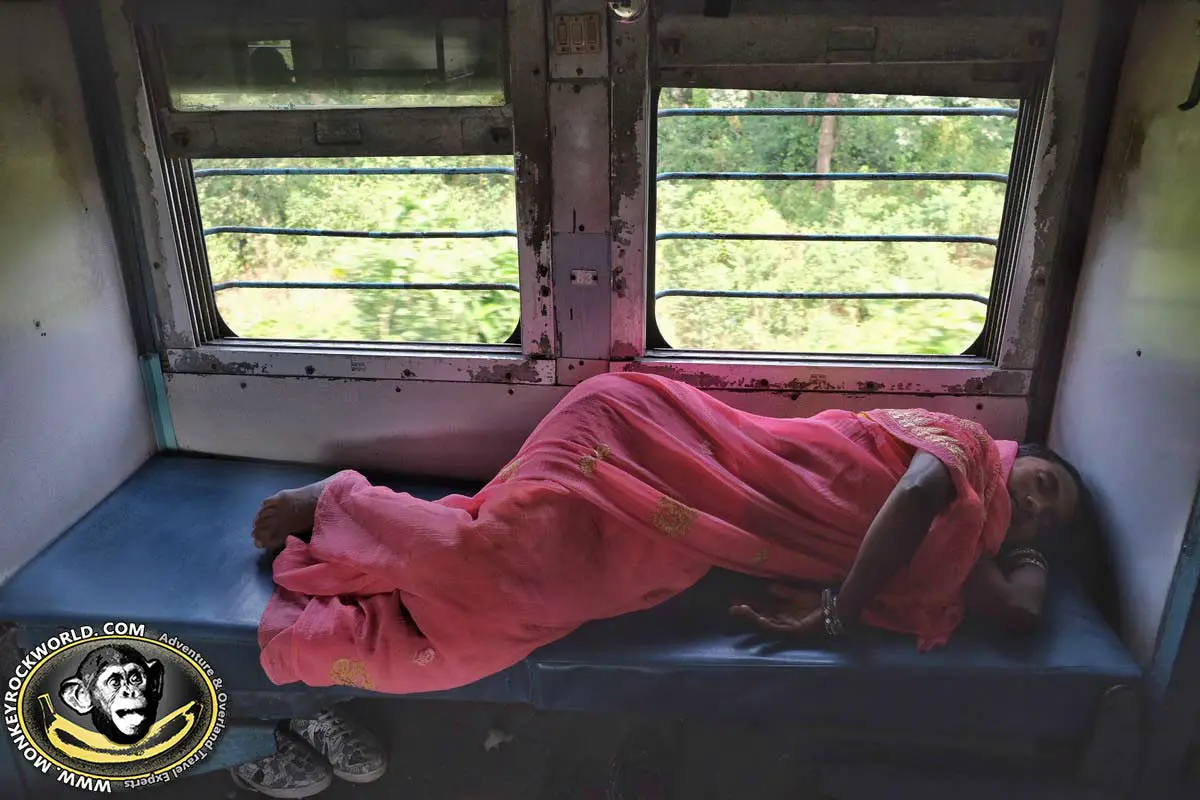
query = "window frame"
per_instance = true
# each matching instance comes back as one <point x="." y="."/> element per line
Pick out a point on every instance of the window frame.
<point x="1014" y="56"/>
<point x="634" y="53"/>
<point x="1030" y="112"/>
<point x="196" y="340"/>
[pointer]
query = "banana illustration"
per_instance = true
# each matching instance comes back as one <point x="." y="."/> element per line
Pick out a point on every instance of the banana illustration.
<point x="76" y="741"/>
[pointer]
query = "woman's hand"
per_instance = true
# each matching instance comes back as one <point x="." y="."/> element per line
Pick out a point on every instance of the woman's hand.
<point x="796" y="614"/>
<point x="1013" y="602"/>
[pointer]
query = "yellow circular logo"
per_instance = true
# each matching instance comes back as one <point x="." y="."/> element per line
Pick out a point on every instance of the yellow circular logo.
<point x="114" y="707"/>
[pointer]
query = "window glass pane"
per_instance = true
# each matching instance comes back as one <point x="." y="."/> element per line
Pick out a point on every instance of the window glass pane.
<point x="961" y="205"/>
<point x="296" y="208"/>
<point x="322" y="63"/>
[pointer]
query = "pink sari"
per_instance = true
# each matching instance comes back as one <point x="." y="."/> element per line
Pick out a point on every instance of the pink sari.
<point x="624" y="496"/>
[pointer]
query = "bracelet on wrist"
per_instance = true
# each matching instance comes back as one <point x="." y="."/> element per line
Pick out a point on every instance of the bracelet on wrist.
<point x="829" y="612"/>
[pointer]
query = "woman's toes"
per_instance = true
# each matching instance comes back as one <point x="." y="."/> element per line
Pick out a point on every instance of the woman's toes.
<point x="267" y="540"/>
<point x="282" y="514"/>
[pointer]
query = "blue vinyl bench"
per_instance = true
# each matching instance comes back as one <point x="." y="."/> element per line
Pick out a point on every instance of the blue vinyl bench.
<point x="171" y="549"/>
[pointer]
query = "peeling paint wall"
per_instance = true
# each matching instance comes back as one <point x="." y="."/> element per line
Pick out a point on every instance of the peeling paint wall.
<point x="1126" y="412"/>
<point x="73" y="415"/>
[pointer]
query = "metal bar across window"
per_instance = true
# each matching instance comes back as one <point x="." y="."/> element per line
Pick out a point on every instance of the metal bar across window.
<point x="667" y="236"/>
<point x="664" y="113"/>
<point x="360" y="234"/>
<point x="481" y="287"/>
<point x="996" y="177"/>
<point x="214" y="172"/>
<point x="827" y="237"/>
<point x="512" y="287"/>
<point x="726" y="293"/>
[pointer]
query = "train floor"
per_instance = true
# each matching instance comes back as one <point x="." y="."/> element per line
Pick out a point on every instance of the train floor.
<point x="442" y="751"/>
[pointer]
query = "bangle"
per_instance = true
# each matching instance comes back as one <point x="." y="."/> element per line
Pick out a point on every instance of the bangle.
<point x="1040" y="563"/>
<point x="1027" y="556"/>
<point x="833" y="625"/>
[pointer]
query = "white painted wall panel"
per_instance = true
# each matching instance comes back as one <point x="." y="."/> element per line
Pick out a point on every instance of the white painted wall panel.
<point x="467" y="430"/>
<point x="1126" y="412"/>
<point x="73" y="416"/>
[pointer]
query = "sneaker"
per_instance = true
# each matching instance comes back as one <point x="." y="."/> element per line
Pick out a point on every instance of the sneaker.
<point x="352" y="751"/>
<point x="293" y="771"/>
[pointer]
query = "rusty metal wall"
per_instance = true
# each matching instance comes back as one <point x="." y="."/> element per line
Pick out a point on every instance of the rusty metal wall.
<point x="579" y="135"/>
<point x="438" y="428"/>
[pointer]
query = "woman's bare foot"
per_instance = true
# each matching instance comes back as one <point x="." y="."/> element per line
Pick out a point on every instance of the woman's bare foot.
<point x="290" y="511"/>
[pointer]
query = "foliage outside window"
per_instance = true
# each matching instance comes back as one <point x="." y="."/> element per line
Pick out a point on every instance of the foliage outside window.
<point x="423" y="203"/>
<point x="827" y="144"/>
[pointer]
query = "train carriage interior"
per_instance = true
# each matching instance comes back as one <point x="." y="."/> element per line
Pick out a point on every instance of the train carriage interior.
<point x="244" y="244"/>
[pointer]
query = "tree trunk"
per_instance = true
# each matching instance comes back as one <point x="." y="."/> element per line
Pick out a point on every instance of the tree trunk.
<point x="827" y="141"/>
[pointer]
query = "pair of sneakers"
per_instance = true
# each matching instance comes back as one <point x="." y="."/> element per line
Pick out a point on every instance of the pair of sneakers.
<point x="310" y="752"/>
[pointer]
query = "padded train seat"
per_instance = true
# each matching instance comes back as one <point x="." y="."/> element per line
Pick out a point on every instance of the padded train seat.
<point x="171" y="549"/>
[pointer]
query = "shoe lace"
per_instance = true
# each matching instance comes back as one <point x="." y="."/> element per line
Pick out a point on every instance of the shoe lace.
<point x="334" y="723"/>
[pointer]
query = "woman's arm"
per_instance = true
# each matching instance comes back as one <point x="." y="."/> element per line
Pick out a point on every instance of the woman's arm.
<point x="1013" y="602"/>
<point x="894" y="537"/>
<point x="896" y="533"/>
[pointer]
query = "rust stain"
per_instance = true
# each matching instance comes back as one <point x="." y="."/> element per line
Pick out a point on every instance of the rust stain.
<point x="198" y="361"/>
<point x="623" y="350"/>
<point x="523" y="372"/>
<point x="1005" y="383"/>
<point x="628" y="115"/>
<point x="618" y="278"/>
<point x="794" y="387"/>
<point x="815" y="383"/>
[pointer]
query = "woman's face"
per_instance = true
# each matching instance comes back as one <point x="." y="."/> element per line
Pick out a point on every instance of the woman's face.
<point x="1043" y="497"/>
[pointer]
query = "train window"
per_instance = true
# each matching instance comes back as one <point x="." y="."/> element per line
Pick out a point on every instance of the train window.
<point x="337" y="174"/>
<point x="826" y="222"/>
<point x="362" y="249"/>
<point x="324" y="62"/>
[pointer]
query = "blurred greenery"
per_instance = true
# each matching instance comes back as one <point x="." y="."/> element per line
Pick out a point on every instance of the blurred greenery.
<point x="768" y="144"/>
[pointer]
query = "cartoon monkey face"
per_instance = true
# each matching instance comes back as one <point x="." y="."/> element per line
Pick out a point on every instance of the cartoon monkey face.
<point x="119" y="688"/>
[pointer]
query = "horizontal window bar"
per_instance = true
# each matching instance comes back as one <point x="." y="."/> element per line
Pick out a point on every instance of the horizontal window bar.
<point x="828" y="237"/>
<point x="997" y="177"/>
<point x="820" y="295"/>
<point x="262" y="171"/>
<point x="837" y="112"/>
<point x="463" y="287"/>
<point x="512" y="287"/>
<point x="360" y="234"/>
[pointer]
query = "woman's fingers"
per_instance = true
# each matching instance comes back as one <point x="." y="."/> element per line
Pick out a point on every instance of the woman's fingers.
<point x="773" y="624"/>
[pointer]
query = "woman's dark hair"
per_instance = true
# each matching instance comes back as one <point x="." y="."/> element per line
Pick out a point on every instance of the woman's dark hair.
<point x="1035" y="450"/>
<point x="1082" y="516"/>
<point x="1081" y="543"/>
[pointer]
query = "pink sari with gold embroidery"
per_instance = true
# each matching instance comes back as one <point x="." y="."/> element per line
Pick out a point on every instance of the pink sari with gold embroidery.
<point x="625" y="495"/>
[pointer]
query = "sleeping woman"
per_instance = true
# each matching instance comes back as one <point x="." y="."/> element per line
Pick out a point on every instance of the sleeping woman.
<point x="625" y="495"/>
